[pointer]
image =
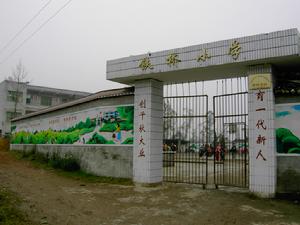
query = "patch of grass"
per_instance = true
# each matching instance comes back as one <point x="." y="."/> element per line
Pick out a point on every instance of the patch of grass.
<point x="66" y="169"/>
<point x="67" y="163"/>
<point x="252" y="196"/>
<point x="9" y="213"/>
<point x="86" y="177"/>
<point x="4" y="144"/>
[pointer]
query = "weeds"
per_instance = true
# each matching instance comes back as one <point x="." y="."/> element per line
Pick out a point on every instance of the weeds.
<point x="67" y="163"/>
<point x="4" y="144"/>
<point x="67" y="167"/>
<point x="9" y="213"/>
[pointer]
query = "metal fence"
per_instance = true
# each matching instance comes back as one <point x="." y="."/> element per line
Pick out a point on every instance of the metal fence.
<point x="185" y="135"/>
<point x="206" y="141"/>
<point x="231" y="139"/>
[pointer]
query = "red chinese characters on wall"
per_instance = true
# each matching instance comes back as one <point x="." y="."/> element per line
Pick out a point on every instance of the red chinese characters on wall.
<point x="141" y="127"/>
<point x="261" y="139"/>
<point x="260" y="96"/>
<point x="260" y="125"/>
<point x="261" y="155"/>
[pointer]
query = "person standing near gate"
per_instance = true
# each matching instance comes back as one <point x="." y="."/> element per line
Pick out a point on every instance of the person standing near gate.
<point x="223" y="153"/>
<point x="173" y="147"/>
<point x="218" y="152"/>
<point x="233" y="151"/>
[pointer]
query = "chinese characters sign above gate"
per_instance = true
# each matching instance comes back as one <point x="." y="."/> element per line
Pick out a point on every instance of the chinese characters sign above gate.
<point x="173" y="59"/>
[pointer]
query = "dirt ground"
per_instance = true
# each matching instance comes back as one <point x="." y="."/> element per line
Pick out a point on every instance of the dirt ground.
<point x="52" y="199"/>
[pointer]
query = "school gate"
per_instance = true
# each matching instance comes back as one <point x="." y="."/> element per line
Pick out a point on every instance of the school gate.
<point x="256" y="57"/>
<point x="206" y="143"/>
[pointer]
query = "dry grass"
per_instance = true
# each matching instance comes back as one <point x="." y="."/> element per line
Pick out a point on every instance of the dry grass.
<point x="4" y="144"/>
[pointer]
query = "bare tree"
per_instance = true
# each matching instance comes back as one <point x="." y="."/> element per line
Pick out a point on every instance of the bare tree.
<point x="169" y="126"/>
<point x="18" y="77"/>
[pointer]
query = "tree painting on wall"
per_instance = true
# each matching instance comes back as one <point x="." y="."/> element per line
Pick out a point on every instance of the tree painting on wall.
<point x="112" y="125"/>
<point x="287" y="123"/>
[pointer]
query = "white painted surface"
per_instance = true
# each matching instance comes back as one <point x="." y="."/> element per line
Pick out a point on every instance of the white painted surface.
<point x="262" y="153"/>
<point x="147" y="153"/>
<point x="258" y="48"/>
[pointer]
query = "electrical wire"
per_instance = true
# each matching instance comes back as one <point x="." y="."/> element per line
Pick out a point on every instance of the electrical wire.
<point x="36" y="31"/>
<point x="24" y="27"/>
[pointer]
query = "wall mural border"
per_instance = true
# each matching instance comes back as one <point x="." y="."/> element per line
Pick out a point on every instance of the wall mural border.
<point x="99" y="125"/>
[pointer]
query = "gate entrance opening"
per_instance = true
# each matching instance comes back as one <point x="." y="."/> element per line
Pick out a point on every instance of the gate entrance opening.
<point x="231" y="155"/>
<point x="206" y="137"/>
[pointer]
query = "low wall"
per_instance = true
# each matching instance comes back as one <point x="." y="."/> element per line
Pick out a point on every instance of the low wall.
<point x="101" y="160"/>
<point x="288" y="173"/>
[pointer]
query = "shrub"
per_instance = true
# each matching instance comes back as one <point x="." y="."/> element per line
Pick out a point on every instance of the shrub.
<point x="126" y="126"/>
<point x="97" y="139"/>
<point x="287" y="142"/>
<point x="67" y="163"/>
<point x="128" y="141"/>
<point x="81" y="125"/>
<point x="28" y="154"/>
<point x="54" y="160"/>
<point x="41" y="157"/>
<point x="126" y="112"/>
<point x="86" y="130"/>
<point x="108" y="127"/>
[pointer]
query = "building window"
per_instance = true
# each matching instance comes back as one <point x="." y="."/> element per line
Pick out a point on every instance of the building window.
<point x="232" y="128"/>
<point x="46" y="100"/>
<point x="64" y="100"/>
<point x="28" y="99"/>
<point x="14" y="96"/>
<point x="29" y="111"/>
<point x="35" y="100"/>
<point x="11" y="115"/>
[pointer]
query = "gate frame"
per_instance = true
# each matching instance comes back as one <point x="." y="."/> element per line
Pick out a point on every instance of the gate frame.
<point x="252" y="55"/>
<point x="246" y="140"/>
<point x="205" y="115"/>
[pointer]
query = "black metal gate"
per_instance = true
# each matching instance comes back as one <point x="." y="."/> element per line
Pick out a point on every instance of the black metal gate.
<point x="203" y="146"/>
<point x="185" y="137"/>
<point x="231" y="139"/>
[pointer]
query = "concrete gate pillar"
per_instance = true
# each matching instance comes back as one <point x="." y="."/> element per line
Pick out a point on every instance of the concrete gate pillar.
<point x="262" y="142"/>
<point x="148" y="132"/>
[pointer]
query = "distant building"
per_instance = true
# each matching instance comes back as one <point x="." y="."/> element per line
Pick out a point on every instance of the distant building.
<point x="30" y="99"/>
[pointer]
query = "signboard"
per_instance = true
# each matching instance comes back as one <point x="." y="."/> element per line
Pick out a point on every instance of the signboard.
<point x="260" y="81"/>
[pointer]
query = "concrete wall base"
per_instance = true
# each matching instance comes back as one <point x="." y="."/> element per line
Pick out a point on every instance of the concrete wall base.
<point x="263" y="195"/>
<point x="148" y="184"/>
<point x="109" y="161"/>
<point x="288" y="174"/>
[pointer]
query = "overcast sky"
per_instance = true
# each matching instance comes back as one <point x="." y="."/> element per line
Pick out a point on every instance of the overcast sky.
<point x="71" y="50"/>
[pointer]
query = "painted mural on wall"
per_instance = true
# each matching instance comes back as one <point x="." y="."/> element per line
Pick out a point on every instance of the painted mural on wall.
<point x="102" y="125"/>
<point x="288" y="128"/>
